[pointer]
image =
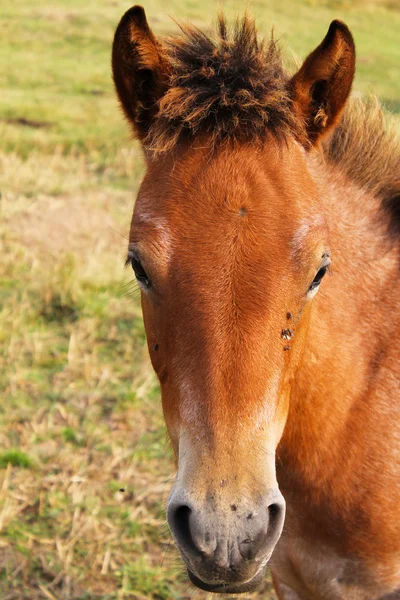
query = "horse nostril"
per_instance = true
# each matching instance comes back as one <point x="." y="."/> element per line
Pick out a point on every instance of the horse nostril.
<point x="262" y="531"/>
<point x="274" y="511"/>
<point x="186" y="531"/>
<point x="276" y="516"/>
<point x="180" y="526"/>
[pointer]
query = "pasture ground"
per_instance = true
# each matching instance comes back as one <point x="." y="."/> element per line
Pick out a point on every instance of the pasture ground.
<point x="80" y="416"/>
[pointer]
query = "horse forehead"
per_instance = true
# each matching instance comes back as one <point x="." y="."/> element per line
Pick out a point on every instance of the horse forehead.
<point x="207" y="200"/>
<point x="225" y="195"/>
<point x="236" y="176"/>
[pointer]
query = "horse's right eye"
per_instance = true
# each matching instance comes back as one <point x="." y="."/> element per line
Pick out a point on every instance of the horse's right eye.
<point x="138" y="269"/>
<point x="318" y="278"/>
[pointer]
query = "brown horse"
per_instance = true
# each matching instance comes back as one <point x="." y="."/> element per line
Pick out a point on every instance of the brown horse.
<point x="279" y="385"/>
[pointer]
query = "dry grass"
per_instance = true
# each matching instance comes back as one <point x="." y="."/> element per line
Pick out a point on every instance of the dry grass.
<point x="81" y="418"/>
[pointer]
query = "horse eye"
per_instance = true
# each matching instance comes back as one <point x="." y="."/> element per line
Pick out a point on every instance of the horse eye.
<point x="318" y="278"/>
<point x="138" y="269"/>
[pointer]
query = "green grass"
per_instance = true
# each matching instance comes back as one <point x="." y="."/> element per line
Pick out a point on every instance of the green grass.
<point x="80" y="416"/>
<point x="15" y="458"/>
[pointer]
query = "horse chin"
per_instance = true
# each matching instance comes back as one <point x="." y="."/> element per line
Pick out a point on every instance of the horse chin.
<point x="229" y="588"/>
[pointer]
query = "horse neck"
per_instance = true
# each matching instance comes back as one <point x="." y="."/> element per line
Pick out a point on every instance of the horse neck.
<point x="332" y="405"/>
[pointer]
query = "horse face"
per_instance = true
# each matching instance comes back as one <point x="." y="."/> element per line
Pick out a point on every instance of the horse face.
<point x="226" y="269"/>
<point x="229" y="246"/>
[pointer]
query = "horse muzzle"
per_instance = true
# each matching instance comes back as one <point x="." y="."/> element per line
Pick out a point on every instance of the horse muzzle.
<point x="226" y="546"/>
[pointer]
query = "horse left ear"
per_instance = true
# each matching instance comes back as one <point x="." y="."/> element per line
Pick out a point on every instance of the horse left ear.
<point x="322" y="85"/>
<point x="140" y="70"/>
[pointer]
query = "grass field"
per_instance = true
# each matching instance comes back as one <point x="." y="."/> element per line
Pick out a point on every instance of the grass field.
<point x="80" y="416"/>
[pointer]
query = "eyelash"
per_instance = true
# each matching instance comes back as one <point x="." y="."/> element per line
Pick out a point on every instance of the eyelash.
<point x="134" y="261"/>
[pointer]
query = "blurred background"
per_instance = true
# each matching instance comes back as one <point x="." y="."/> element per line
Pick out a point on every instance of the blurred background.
<point x="85" y="467"/>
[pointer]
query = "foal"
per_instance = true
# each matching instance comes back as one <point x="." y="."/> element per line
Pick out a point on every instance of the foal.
<point x="279" y="383"/>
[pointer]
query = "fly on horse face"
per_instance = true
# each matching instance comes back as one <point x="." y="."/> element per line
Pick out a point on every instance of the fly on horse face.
<point x="280" y="383"/>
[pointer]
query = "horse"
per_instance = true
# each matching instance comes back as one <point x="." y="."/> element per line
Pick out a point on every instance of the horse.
<point x="279" y="383"/>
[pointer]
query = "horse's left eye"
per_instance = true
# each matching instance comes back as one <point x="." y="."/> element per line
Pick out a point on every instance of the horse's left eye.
<point x="138" y="269"/>
<point x="317" y="279"/>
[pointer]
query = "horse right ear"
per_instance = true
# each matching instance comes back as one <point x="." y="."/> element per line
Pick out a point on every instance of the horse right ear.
<point x="323" y="83"/>
<point x="140" y="70"/>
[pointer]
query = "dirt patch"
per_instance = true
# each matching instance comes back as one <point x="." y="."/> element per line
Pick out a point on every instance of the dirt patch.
<point x="28" y="123"/>
<point x="96" y="92"/>
<point x="55" y="225"/>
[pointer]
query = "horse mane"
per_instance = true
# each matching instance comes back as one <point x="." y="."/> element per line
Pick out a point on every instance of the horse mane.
<point x="229" y="85"/>
<point x="366" y="146"/>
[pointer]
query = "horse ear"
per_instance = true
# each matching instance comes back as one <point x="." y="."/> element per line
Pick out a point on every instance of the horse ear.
<point x="323" y="83"/>
<point x="140" y="70"/>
